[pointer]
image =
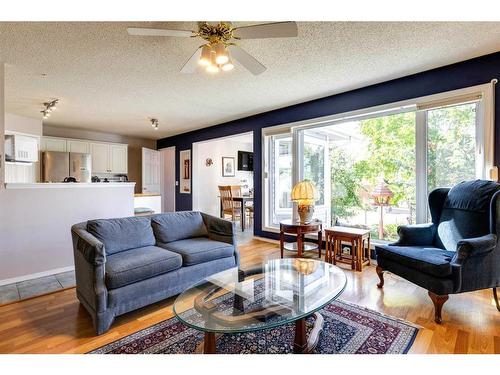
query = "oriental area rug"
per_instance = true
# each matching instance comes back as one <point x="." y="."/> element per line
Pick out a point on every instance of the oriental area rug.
<point x="348" y="329"/>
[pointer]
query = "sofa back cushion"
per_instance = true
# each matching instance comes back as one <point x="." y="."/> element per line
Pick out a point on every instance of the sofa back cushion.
<point x="123" y="233"/>
<point x="174" y="226"/>
<point x="466" y="213"/>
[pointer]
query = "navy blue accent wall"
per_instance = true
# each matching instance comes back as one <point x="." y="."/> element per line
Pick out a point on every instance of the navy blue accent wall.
<point x="463" y="74"/>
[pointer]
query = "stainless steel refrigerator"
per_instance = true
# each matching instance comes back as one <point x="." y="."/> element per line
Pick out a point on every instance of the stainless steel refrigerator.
<point x="56" y="166"/>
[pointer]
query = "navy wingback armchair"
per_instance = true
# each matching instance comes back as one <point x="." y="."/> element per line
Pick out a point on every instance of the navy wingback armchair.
<point x="458" y="252"/>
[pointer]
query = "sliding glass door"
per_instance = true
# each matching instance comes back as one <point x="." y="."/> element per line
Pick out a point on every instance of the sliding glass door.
<point x="360" y="155"/>
<point x="404" y="151"/>
<point x="353" y="161"/>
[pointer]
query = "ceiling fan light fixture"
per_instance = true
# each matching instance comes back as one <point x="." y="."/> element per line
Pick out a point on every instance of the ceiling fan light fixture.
<point x="206" y="54"/>
<point x="221" y="55"/>
<point x="228" y="66"/>
<point x="213" y="69"/>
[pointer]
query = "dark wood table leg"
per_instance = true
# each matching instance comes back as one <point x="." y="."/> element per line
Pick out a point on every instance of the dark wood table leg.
<point x="243" y="217"/>
<point x="300" y="342"/>
<point x="320" y="243"/>
<point x="282" y="241"/>
<point x="209" y="343"/>
<point x="299" y="244"/>
<point x="303" y="344"/>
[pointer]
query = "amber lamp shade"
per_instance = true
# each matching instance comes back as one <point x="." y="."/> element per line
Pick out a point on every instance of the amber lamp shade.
<point x="304" y="266"/>
<point x="304" y="193"/>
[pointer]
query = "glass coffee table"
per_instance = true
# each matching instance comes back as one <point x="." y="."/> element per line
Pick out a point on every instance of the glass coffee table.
<point x="281" y="291"/>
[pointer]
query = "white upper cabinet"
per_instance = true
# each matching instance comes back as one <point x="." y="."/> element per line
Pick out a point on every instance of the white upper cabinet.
<point x="74" y="145"/>
<point x="100" y="157"/>
<point x="54" y="144"/>
<point x="106" y="157"/>
<point x="118" y="158"/>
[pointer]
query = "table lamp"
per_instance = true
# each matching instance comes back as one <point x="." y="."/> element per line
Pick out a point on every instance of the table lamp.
<point x="304" y="193"/>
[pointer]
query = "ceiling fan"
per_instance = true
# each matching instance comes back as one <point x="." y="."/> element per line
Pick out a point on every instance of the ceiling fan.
<point x="220" y="47"/>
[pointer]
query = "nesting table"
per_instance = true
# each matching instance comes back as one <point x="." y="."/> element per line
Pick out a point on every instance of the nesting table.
<point x="358" y="238"/>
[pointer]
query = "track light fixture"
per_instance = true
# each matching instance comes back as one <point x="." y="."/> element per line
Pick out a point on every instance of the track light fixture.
<point x="154" y="123"/>
<point x="49" y="107"/>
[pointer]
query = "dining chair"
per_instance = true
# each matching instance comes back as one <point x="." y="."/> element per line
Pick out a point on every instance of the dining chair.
<point x="236" y="192"/>
<point x="229" y="207"/>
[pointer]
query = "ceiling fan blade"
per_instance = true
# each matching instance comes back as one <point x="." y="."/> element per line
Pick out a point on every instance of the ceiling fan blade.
<point x="191" y="65"/>
<point x="267" y="30"/>
<point x="247" y="60"/>
<point x="159" y="32"/>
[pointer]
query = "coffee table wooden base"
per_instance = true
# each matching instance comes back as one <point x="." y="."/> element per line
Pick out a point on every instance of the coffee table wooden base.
<point x="302" y="343"/>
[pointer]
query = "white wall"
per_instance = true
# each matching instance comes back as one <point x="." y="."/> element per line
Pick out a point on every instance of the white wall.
<point x="21" y="124"/>
<point x="207" y="179"/>
<point x="2" y="124"/>
<point x="35" y="236"/>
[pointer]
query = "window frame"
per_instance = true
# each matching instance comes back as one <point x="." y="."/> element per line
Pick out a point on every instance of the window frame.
<point x="484" y="138"/>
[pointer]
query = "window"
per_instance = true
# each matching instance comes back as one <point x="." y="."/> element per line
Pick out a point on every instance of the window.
<point x="361" y="155"/>
<point x="451" y="145"/>
<point x="279" y="171"/>
<point x="407" y="149"/>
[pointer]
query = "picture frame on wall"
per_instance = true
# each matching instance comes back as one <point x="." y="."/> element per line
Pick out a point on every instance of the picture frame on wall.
<point x="185" y="171"/>
<point x="228" y="167"/>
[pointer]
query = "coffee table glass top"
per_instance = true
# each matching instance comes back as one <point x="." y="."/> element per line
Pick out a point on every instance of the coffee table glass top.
<point x="280" y="292"/>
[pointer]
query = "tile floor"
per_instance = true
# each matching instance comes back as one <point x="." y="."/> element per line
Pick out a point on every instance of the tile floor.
<point x="35" y="287"/>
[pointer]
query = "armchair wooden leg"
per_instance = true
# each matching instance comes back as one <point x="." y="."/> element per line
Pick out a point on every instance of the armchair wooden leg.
<point x="438" y="302"/>
<point x="495" y="296"/>
<point x="380" y="273"/>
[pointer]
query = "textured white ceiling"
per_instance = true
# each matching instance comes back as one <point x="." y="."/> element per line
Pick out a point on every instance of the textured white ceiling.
<point x="109" y="81"/>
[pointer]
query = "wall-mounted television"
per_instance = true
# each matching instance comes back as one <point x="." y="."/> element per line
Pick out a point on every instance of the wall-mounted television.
<point x="245" y="161"/>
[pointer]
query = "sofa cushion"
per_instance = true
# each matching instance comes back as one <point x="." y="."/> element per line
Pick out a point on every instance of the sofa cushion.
<point x="174" y="226"/>
<point x="430" y="260"/>
<point x="139" y="264"/>
<point x="199" y="250"/>
<point x="123" y="233"/>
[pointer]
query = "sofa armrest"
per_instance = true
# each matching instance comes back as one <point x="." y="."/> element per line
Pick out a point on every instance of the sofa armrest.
<point x="220" y="229"/>
<point x="416" y="235"/>
<point x="90" y="247"/>
<point x="471" y="247"/>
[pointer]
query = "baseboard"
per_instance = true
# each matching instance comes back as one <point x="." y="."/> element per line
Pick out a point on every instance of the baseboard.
<point x="266" y="239"/>
<point x="36" y="275"/>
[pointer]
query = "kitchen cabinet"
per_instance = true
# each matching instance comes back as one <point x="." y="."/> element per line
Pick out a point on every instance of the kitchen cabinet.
<point x="74" y="145"/>
<point x="109" y="158"/>
<point x="100" y="157"/>
<point x="106" y="157"/>
<point x="54" y="144"/>
<point x="118" y="158"/>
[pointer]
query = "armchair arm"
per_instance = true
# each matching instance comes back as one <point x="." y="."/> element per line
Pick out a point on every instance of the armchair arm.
<point x="90" y="247"/>
<point x="416" y="235"/>
<point x="471" y="247"/>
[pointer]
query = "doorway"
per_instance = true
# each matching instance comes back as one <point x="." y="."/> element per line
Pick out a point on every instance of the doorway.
<point x="222" y="162"/>
<point x="167" y="172"/>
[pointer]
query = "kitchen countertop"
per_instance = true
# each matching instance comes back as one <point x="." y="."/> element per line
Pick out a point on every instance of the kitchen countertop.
<point x="68" y="185"/>
<point x="147" y="195"/>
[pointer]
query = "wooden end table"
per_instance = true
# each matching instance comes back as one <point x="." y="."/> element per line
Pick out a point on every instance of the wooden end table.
<point x="360" y="246"/>
<point x="290" y="226"/>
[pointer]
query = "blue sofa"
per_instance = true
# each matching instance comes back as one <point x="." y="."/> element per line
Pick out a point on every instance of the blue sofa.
<point x="127" y="263"/>
<point x="457" y="252"/>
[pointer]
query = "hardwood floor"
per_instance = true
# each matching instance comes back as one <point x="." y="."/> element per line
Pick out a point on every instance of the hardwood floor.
<point x="56" y="323"/>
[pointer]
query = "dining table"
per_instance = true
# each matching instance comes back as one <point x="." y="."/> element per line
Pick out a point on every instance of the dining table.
<point x="243" y="200"/>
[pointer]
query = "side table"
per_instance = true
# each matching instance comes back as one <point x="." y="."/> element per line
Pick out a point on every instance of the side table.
<point x="359" y="240"/>
<point x="290" y="226"/>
